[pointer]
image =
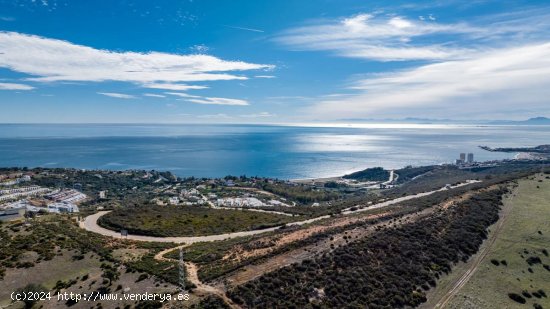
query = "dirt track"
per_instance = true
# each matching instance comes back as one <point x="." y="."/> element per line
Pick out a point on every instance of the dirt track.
<point x="253" y="271"/>
<point x="192" y="276"/>
<point x="484" y="250"/>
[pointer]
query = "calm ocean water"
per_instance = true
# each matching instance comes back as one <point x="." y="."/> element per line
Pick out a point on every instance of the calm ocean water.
<point x="274" y="151"/>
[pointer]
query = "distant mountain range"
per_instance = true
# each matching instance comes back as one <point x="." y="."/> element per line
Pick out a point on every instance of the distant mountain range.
<point x="530" y="121"/>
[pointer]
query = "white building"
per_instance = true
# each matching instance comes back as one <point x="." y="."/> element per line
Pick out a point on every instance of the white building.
<point x="239" y="202"/>
<point x="174" y="200"/>
<point x="190" y="192"/>
<point x="277" y="203"/>
<point x="62" y="207"/>
<point x="11" y="194"/>
<point x="67" y="195"/>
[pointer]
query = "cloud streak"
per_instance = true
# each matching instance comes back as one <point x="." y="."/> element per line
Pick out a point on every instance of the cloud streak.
<point x="491" y="81"/>
<point x="14" y="86"/>
<point x="173" y="86"/>
<point x="51" y="60"/>
<point x="117" y="95"/>
<point x="397" y="38"/>
<point x="218" y="101"/>
<point x="153" y="95"/>
<point x="208" y="100"/>
<point x="382" y="38"/>
<point x="244" y="28"/>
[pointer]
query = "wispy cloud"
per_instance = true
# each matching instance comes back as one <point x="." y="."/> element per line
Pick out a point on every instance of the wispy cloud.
<point x="199" y="48"/>
<point x="154" y="95"/>
<point x="50" y="60"/>
<point x="173" y="86"/>
<point x="368" y="36"/>
<point x="183" y="95"/>
<point x="244" y="28"/>
<point x="265" y="76"/>
<point x="492" y="81"/>
<point x="218" y="101"/>
<point x="117" y="95"/>
<point x="398" y="38"/>
<point x="13" y="86"/>
<point x="6" y="18"/>
<point x="207" y="100"/>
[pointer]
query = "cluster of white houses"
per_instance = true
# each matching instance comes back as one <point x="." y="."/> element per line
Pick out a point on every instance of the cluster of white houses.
<point x="67" y="196"/>
<point x="16" y="193"/>
<point x="246" y="202"/>
<point x="18" y="201"/>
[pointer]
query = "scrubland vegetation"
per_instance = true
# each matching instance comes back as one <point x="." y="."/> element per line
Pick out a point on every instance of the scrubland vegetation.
<point x="188" y="221"/>
<point x="370" y="174"/>
<point x="392" y="268"/>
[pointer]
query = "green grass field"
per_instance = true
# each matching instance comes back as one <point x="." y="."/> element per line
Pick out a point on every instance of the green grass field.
<point x="188" y="221"/>
<point x="521" y="252"/>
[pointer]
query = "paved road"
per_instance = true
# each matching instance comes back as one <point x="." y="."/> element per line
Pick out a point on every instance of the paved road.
<point x="90" y="222"/>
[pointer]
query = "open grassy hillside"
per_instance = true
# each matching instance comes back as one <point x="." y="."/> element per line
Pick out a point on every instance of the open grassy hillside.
<point x="517" y="264"/>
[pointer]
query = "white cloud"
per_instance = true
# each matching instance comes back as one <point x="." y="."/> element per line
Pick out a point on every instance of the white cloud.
<point x="492" y="81"/>
<point x="50" y="60"/>
<point x="117" y="95"/>
<point x="258" y="115"/>
<point x="397" y="38"/>
<point x="172" y="86"/>
<point x="12" y="86"/>
<point x="244" y="28"/>
<point x="154" y="95"/>
<point x="183" y="95"/>
<point x="200" y="48"/>
<point x="381" y="38"/>
<point x="207" y="100"/>
<point x="265" y="76"/>
<point x="218" y="101"/>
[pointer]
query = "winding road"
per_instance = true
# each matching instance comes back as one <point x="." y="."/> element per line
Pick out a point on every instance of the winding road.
<point x="90" y="222"/>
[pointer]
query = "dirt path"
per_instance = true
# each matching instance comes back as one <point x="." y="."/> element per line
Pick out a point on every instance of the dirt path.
<point x="484" y="250"/>
<point x="253" y="271"/>
<point x="192" y="276"/>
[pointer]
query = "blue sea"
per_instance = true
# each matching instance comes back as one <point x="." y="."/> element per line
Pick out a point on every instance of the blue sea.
<point x="286" y="152"/>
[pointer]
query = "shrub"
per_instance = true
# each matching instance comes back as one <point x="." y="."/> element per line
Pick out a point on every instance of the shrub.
<point x="517" y="298"/>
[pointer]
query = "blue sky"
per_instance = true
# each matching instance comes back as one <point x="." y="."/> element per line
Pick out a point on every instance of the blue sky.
<point x="272" y="61"/>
